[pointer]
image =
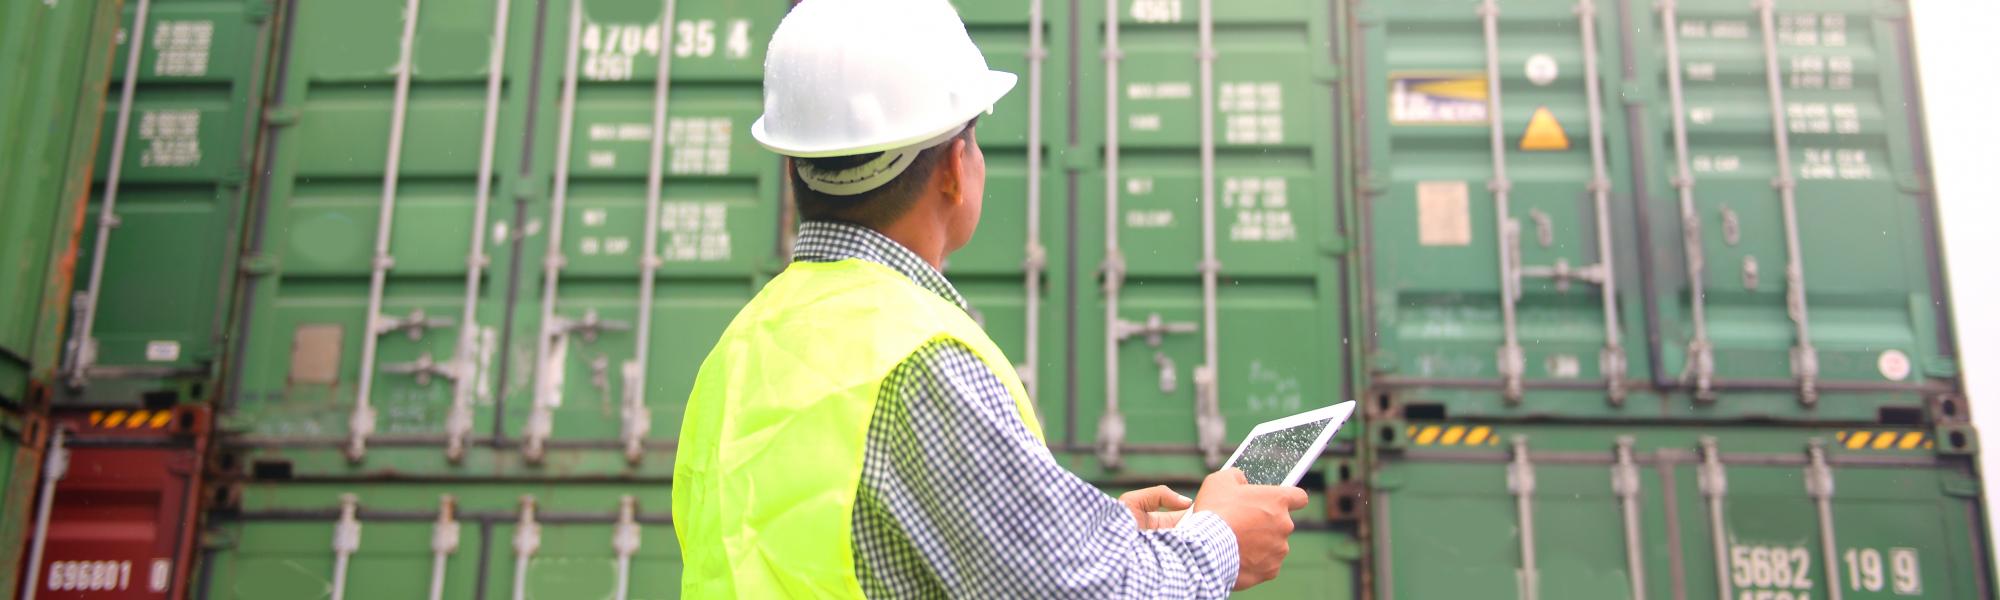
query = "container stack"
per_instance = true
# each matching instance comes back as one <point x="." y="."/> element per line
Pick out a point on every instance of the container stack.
<point x="390" y="298"/>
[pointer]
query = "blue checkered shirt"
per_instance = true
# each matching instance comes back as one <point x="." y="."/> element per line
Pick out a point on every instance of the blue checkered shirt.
<point x="958" y="499"/>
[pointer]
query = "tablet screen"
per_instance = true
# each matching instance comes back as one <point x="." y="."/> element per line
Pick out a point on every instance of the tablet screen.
<point x="1268" y="458"/>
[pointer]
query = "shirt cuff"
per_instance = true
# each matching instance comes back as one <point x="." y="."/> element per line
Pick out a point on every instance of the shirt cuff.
<point x="1217" y="543"/>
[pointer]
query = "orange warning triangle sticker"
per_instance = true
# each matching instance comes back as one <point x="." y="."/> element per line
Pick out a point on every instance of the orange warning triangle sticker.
<point x="1544" y="133"/>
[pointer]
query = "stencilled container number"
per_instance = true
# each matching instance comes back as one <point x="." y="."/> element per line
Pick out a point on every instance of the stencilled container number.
<point x="1866" y="572"/>
<point x="609" y="49"/>
<point x="1770" y="572"/>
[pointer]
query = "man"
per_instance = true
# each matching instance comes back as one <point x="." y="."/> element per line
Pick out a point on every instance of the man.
<point x="854" y="432"/>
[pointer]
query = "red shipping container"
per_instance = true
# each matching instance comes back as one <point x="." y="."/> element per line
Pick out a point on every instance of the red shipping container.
<point x="123" y="521"/>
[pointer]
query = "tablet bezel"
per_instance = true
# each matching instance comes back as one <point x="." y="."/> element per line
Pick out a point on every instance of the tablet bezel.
<point x="1339" y="413"/>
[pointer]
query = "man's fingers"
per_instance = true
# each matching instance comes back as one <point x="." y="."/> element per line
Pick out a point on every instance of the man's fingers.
<point x="1295" y="498"/>
<point x="1155" y="498"/>
<point x="1233" y="474"/>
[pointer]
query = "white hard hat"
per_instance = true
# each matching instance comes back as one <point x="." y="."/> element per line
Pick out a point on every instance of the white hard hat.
<point x="847" y="77"/>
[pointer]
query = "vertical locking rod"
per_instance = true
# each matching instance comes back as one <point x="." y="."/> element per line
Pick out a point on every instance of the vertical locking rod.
<point x="527" y="541"/>
<point x="1819" y="486"/>
<point x="458" y="422"/>
<point x="1111" y="426"/>
<point x="54" y="466"/>
<point x="444" y="543"/>
<point x="1625" y="484"/>
<point x="361" y="424"/>
<point x="1611" y="360"/>
<point x="82" y="350"/>
<point x="541" y="415"/>
<point x="625" y="543"/>
<point x="1210" y="428"/>
<point x="1701" y="353"/>
<point x="346" y="541"/>
<point x="637" y="420"/>
<point x="1521" y="482"/>
<point x="1805" y="359"/>
<point x="1037" y="256"/>
<point x="1509" y="359"/>
<point x="1714" y="484"/>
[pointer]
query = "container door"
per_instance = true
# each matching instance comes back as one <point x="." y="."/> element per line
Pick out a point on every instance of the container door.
<point x="377" y="257"/>
<point x="1208" y="256"/>
<point x="638" y="261"/>
<point x="1802" y="214"/>
<point x="1012" y="273"/>
<point x="62" y="51"/>
<point x="121" y="522"/>
<point x="1497" y="208"/>
<point x="152" y="310"/>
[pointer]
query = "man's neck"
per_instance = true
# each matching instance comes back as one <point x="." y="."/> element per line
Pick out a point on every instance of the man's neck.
<point x="923" y="239"/>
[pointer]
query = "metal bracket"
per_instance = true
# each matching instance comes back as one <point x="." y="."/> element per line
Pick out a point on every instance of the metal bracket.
<point x="346" y="541"/>
<point x="1750" y="272"/>
<point x="636" y="417"/>
<point x="527" y="541"/>
<point x="625" y="543"/>
<point x="587" y="327"/>
<point x="425" y="368"/>
<point x="444" y="543"/>
<point x="1154" y="328"/>
<point x="1545" y="228"/>
<point x="415" y="324"/>
<point x="1169" y="380"/>
<point x="1211" y="430"/>
<point x="1732" y="227"/>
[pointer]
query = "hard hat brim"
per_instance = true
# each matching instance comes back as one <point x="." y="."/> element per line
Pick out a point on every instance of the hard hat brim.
<point x="992" y="86"/>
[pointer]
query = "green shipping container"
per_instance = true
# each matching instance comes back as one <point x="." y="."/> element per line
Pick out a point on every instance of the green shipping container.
<point x="154" y="307"/>
<point x="62" y="52"/>
<point x="1477" y="509"/>
<point x="1625" y="209"/>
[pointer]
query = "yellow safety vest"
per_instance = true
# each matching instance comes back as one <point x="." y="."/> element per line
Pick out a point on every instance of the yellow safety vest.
<point x="769" y="459"/>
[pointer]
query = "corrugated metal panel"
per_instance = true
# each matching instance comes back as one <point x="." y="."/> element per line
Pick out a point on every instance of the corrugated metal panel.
<point x="1554" y="511"/>
<point x="1576" y="303"/>
<point x="156" y="322"/>
<point x="61" y="51"/>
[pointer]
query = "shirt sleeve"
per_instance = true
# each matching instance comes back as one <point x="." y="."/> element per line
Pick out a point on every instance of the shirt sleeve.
<point x="958" y="498"/>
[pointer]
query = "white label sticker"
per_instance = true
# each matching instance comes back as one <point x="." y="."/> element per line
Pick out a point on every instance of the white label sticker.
<point x="1894" y="365"/>
<point x="1443" y="214"/>
<point x="1437" y="99"/>
<point x="163" y="351"/>
<point x="1541" y="69"/>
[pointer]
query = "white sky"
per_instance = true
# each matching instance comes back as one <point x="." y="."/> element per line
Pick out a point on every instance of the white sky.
<point x="1956" y="50"/>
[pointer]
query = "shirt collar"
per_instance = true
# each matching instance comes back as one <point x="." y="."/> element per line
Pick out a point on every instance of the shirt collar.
<point x="829" y="241"/>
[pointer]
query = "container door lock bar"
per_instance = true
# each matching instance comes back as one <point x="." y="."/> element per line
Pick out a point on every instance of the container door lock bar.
<point x="458" y="421"/>
<point x="633" y="411"/>
<point x="1511" y="363"/>
<point x="1714" y="484"/>
<point x="82" y="348"/>
<point x="444" y="543"/>
<point x="527" y="540"/>
<point x="547" y="373"/>
<point x="346" y="541"/>
<point x="1111" y="426"/>
<point x="1521" y="483"/>
<point x="1611" y="360"/>
<point x="1210" y="427"/>
<point x="1700" y="353"/>
<point x="1036" y="255"/>
<point x="625" y="542"/>
<point x="361" y="423"/>
<point x="1625" y="484"/>
<point x="1819" y="486"/>
<point x="1805" y="359"/>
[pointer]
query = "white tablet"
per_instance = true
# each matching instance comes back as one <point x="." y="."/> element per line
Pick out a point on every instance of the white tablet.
<point x="1278" y="452"/>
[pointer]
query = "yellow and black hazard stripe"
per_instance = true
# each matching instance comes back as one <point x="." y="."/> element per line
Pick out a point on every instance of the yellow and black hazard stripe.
<point x="1451" y="435"/>
<point x="1865" y="439"/>
<point x="131" y="419"/>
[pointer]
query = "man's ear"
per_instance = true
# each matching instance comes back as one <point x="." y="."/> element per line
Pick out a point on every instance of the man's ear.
<point x="951" y="172"/>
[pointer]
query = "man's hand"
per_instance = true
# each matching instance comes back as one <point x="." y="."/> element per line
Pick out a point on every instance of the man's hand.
<point x="1146" y="505"/>
<point x="1261" y="517"/>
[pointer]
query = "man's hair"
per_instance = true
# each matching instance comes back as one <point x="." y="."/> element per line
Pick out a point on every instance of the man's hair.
<point x="875" y="208"/>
